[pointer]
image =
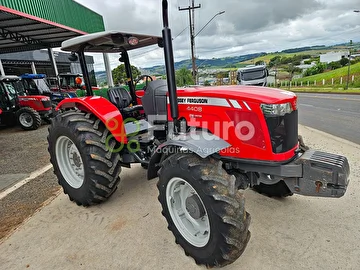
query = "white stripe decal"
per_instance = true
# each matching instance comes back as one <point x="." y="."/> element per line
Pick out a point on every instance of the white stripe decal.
<point x="247" y="106"/>
<point x="235" y="104"/>
<point x="201" y="101"/>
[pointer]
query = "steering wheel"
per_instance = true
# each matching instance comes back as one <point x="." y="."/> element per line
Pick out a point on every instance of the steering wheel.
<point x="142" y="77"/>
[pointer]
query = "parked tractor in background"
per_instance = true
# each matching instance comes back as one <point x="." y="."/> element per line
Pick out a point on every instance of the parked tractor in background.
<point x="206" y="145"/>
<point x="36" y="84"/>
<point x="19" y="107"/>
<point x="252" y="75"/>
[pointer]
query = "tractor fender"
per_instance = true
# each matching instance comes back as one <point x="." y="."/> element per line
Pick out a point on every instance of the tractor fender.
<point x="102" y="109"/>
<point x="196" y="142"/>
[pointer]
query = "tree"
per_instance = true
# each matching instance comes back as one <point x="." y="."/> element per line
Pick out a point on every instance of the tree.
<point x="334" y="65"/>
<point x="259" y="63"/>
<point x="183" y="77"/>
<point x="206" y="83"/>
<point x="344" y="61"/>
<point x="291" y="69"/>
<point x="318" y="68"/>
<point x="274" y="61"/>
<point x="119" y="74"/>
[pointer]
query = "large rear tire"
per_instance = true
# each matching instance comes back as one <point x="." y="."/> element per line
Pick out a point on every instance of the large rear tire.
<point x="203" y="208"/>
<point x="279" y="190"/>
<point x="28" y="118"/>
<point x="82" y="153"/>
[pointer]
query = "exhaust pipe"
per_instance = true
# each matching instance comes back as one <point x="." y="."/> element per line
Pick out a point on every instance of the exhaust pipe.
<point x="169" y="62"/>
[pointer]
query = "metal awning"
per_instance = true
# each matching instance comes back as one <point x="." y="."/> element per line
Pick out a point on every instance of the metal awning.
<point x="23" y="32"/>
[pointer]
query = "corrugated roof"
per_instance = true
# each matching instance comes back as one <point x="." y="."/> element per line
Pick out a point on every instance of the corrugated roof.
<point x="23" y="32"/>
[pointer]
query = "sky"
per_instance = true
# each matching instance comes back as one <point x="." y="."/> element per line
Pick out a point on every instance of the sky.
<point x="245" y="27"/>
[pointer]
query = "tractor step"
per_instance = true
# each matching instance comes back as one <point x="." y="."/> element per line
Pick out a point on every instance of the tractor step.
<point x="324" y="175"/>
<point x="137" y="126"/>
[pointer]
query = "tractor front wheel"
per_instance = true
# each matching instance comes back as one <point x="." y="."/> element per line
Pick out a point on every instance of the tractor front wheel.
<point x="28" y="118"/>
<point x="83" y="154"/>
<point x="204" y="209"/>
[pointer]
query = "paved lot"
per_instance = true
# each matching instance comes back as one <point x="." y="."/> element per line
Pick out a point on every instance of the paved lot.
<point x="22" y="152"/>
<point x="128" y="231"/>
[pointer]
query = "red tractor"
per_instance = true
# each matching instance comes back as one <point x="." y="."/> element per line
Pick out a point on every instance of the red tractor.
<point x="206" y="144"/>
<point x="18" y="107"/>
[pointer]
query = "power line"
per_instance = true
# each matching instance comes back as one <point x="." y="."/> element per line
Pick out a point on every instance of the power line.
<point x="191" y="10"/>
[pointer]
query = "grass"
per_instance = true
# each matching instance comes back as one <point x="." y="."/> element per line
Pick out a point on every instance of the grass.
<point x="323" y="90"/>
<point x="336" y="75"/>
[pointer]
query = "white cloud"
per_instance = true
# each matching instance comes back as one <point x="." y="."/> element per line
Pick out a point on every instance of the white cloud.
<point x="245" y="27"/>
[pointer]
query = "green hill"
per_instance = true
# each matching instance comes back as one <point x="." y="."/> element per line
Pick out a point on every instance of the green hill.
<point x="336" y="74"/>
<point x="266" y="58"/>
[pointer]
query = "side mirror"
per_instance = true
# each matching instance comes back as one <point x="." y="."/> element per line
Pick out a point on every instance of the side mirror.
<point x="73" y="57"/>
<point x="121" y="59"/>
<point x="161" y="43"/>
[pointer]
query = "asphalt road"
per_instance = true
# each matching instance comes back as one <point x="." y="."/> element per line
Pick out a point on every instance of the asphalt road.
<point x="338" y="115"/>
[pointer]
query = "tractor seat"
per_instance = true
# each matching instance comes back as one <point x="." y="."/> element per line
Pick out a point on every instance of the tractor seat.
<point x="121" y="98"/>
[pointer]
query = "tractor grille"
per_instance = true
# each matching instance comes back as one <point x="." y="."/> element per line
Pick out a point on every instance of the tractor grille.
<point x="283" y="131"/>
<point x="46" y="103"/>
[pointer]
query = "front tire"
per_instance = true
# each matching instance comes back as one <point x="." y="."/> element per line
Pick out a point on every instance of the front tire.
<point x="203" y="208"/>
<point x="28" y="118"/>
<point x="81" y="152"/>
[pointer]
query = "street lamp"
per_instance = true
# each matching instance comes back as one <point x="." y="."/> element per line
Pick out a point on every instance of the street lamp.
<point x="217" y="14"/>
<point x="194" y="60"/>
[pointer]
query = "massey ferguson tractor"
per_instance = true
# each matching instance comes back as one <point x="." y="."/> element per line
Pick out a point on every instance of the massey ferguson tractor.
<point x="18" y="107"/>
<point x="206" y="145"/>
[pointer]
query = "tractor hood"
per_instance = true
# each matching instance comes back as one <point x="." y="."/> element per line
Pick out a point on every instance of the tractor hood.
<point x="249" y="93"/>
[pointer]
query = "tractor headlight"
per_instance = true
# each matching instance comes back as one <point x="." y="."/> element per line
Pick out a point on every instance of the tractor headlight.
<point x="45" y="99"/>
<point x="276" y="109"/>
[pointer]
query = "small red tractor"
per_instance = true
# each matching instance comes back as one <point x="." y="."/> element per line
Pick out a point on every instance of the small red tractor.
<point x="206" y="145"/>
<point x="18" y="107"/>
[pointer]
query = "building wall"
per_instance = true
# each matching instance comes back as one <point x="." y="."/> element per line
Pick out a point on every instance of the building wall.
<point x="332" y="56"/>
<point x="20" y="63"/>
<point x="65" y="12"/>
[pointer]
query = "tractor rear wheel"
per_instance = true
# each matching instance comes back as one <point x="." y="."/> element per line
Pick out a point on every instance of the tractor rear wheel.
<point x="279" y="190"/>
<point x="28" y="118"/>
<point x="82" y="153"/>
<point x="203" y="208"/>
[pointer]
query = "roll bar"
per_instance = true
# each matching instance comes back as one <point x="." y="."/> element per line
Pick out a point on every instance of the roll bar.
<point x="169" y="62"/>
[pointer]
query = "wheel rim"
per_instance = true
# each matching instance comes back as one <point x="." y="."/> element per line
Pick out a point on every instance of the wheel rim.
<point x="26" y="120"/>
<point x="69" y="162"/>
<point x="195" y="230"/>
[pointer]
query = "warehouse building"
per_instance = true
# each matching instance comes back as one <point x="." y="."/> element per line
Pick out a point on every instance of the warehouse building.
<point x="39" y="62"/>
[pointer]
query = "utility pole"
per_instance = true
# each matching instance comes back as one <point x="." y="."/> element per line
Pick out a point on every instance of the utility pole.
<point x="348" y="75"/>
<point x="192" y="37"/>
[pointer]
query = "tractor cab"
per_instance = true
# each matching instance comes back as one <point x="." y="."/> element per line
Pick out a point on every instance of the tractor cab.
<point x="128" y="101"/>
<point x="70" y="82"/>
<point x="37" y="84"/>
<point x="18" y="106"/>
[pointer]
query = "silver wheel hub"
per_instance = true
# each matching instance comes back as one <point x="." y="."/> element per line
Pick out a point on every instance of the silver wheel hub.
<point x="69" y="162"/>
<point x="188" y="212"/>
<point x="26" y="120"/>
